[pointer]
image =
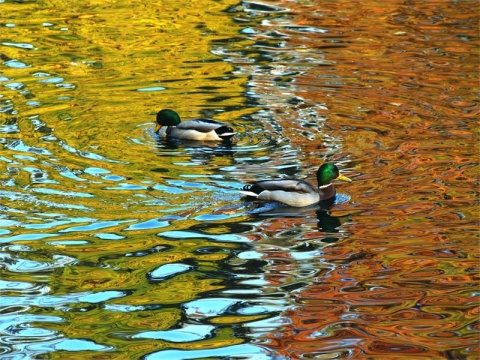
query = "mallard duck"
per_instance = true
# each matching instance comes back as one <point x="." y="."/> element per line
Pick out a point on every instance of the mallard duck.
<point x="295" y="192"/>
<point x="196" y="129"/>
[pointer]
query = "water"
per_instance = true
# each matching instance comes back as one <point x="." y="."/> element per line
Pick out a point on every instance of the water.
<point x="117" y="243"/>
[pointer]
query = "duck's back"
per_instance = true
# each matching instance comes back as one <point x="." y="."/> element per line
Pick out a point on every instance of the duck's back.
<point x="201" y="125"/>
<point x="292" y="192"/>
<point x="203" y="129"/>
<point x="292" y="185"/>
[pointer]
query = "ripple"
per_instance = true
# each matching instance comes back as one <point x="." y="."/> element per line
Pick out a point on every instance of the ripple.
<point x="70" y="345"/>
<point x="305" y="29"/>
<point x="9" y="129"/>
<point x="25" y="237"/>
<point x="96" y="171"/>
<point x="57" y="301"/>
<point x="152" y="88"/>
<point x="14" y="85"/>
<point x="148" y="224"/>
<point x="189" y="332"/>
<point x="68" y="242"/>
<point x="243" y="351"/>
<point x="168" y="270"/>
<point x="95" y="226"/>
<point x="46" y="224"/>
<point x="22" y="287"/>
<point x="40" y="74"/>
<point x="19" y="145"/>
<point x="86" y="154"/>
<point x="62" y="193"/>
<point x="206" y="308"/>
<point x="8" y="223"/>
<point x="51" y="80"/>
<point x="16" y="64"/>
<point x="20" y="45"/>
<point x="127" y="187"/>
<point x="176" y="234"/>
<point x="30" y="199"/>
<point x="30" y="266"/>
<point x="15" y="319"/>
<point x="384" y="296"/>
<point x="379" y="347"/>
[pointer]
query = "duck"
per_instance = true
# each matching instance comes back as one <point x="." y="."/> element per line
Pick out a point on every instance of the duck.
<point x="294" y="192"/>
<point x="196" y="129"/>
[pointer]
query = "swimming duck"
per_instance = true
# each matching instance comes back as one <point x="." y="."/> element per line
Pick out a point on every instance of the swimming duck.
<point x="196" y="129"/>
<point x="295" y="192"/>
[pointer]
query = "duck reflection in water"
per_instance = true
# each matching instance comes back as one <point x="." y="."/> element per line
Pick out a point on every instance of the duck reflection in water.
<point x="197" y="152"/>
<point x="176" y="143"/>
<point x="326" y="222"/>
<point x="330" y="224"/>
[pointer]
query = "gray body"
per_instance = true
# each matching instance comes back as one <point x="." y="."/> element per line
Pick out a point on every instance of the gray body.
<point x="296" y="193"/>
<point x="199" y="129"/>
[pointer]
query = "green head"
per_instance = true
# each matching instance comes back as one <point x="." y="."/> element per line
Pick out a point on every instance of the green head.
<point x="329" y="172"/>
<point x="166" y="117"/>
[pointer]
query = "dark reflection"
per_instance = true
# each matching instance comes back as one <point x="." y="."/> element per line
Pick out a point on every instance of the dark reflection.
<point x="145" y="252"/>
<point x="276" y="209"/>
<point x="227" y="228"/>
<point x="198" y="151"/>
<point x="208" y="250"/>
<point x="326" y="222"/>
<point x="329" y="223"/>
<point x="251" y="266"/>
<point x="295" y="286"/>
<point x="176" y="143"/>
<point x="254" y="6"/>
<point x="305" y="247"/>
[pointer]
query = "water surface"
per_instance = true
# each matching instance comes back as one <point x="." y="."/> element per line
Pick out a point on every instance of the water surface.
<point x="118" y="243"/>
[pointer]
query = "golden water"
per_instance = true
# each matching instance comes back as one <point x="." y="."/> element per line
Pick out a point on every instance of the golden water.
<point x="115" y="243"/>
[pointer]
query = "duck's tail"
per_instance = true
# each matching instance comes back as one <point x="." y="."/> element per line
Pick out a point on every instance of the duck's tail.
<point x="225" y="132"/>
<point x="251" y="191"/>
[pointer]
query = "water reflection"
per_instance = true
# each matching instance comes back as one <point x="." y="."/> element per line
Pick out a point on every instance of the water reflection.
<point x="115" y="242"/>
<point x="175" y="143"/>
<point x="199" y="152"/>
<point x="235" y="351"/>
<point x="330" y="224"/>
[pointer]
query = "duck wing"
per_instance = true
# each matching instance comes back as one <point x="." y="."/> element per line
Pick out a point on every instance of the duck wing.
<point x="216" y="130"/>
<point x="288" y="185"/>
<point x="295" y="193"/>
<point x="201" y="125"/>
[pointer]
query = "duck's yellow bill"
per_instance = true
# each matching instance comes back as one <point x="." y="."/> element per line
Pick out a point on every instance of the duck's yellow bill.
<point x="344" y="178"/>
<point x="157" y="128"/>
